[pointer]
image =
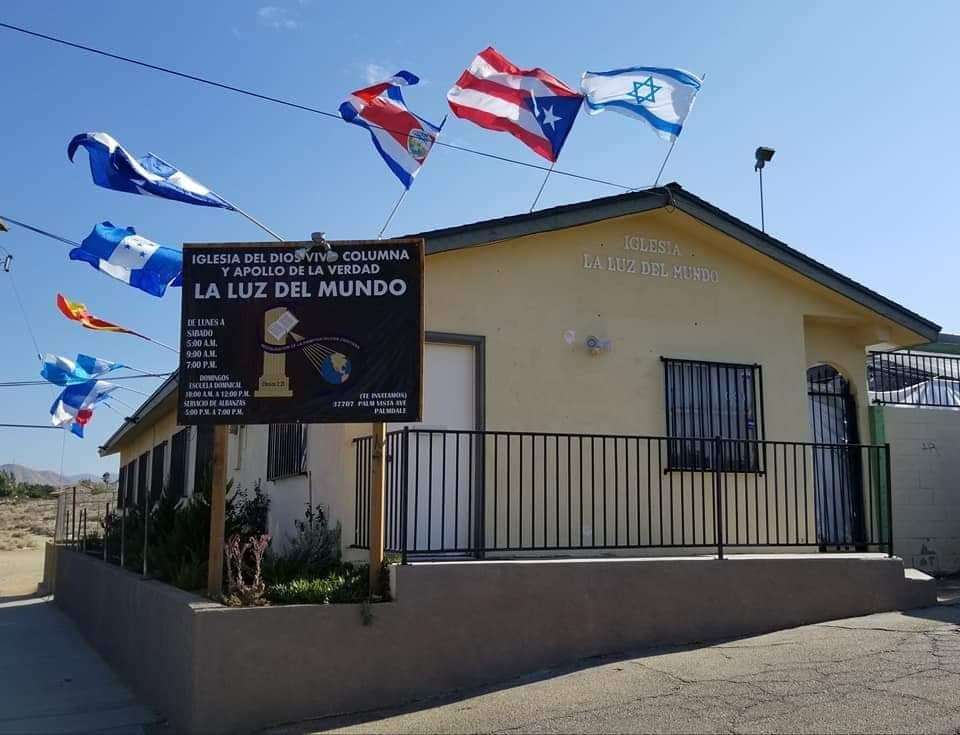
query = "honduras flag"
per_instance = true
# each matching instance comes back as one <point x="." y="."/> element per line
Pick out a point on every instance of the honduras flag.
<point x="120" y="252"/>
<point x="73" y="405"/>
<point x="64" y="371"/>
<point x="113" y="167"/>
<point x="401" y="138"/>
<point x="659" y="96"/>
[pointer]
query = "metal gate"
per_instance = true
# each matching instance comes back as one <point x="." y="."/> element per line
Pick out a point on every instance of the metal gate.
<point x="838" y="471"/>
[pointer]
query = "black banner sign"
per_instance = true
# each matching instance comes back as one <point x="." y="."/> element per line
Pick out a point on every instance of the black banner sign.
<point x="286" y="332"/>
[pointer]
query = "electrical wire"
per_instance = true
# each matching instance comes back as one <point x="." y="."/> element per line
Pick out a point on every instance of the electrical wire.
<point x="23" y="311"/>
<point x="298" y="106"/>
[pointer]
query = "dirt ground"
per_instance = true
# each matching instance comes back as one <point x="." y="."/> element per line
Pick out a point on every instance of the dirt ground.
<point x="25" y="523"/>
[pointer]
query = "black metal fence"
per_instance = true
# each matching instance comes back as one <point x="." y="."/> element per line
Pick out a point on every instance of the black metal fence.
<point x="477" y="492"/>
<point x="911" y="379"/>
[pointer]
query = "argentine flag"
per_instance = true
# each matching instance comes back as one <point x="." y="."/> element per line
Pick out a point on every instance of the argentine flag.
<point x="659" y="96"/>
<point x="120" y="252"/>
<point x="114" y="167"/>
<point x="64" y="371"/>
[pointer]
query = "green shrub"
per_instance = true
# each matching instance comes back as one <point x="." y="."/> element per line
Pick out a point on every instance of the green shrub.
<point x="311" y="552"/>
<point x="342" y="584"/>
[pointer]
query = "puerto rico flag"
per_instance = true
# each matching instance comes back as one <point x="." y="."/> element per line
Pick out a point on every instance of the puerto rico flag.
<point x="401" y="138"/>
<point x="531" y="104"/>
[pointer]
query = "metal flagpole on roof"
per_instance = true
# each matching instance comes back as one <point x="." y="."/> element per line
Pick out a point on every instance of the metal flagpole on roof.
<point x="672" y="144"/>
<point x="392" y="212"/>
<point x="540" y="190"/>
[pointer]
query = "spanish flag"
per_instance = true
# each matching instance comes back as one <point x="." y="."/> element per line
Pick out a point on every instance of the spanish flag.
<point x="78" y="313"/>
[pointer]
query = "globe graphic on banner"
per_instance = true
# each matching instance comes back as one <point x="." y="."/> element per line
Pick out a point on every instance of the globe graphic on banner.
<point x="335" y="368"/>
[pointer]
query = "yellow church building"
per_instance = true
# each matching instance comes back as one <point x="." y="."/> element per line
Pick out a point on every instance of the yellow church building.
<point x="628" y="374"/>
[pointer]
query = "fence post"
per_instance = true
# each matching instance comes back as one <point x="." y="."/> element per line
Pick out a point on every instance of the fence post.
<point x="717" y="495"/>
<point x="123" y="537"/>
<point x="404" y="488"/>
<point x="83" y="531"/>
<point x="106" y="515"/>
<point x="889" y="501"/>
<point x="146" y="525"/>
<point x="73" y="517"/>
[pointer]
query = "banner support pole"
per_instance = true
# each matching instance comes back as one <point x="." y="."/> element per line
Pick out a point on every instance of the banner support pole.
<point x="218" y="506"/>
<point x="377" y="507"/>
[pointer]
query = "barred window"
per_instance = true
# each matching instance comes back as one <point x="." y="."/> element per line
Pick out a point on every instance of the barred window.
<point x="706" y="400"/>
<point x="143" y="472"/>
<point x="122" y="485"/>
<point x="156" y="473"/>
<point x="178" y="464"/>
<point x="286" y="450"/>
<point x="203" y="460"/>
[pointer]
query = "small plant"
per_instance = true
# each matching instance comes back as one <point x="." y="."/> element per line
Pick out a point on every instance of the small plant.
<point x="342" y="584"/>
<point x="310" y="553"/>
<point x="245" y="584"/>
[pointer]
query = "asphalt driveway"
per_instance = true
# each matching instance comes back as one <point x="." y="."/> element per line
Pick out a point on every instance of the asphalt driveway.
<point x="884" y="673"/>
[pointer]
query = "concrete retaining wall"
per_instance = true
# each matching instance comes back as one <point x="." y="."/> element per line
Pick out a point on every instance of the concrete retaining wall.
<point x="454" y="625"/>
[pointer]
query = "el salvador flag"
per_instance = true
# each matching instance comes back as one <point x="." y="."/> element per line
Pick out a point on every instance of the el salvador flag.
<point x="659" y="96"/>
<point x="64" y="371"/>
<point x="120" y="252"/>
<point x="113" y="167"/>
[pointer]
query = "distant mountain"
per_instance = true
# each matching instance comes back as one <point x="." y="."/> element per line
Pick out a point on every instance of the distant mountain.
<point x="44" y="477"/>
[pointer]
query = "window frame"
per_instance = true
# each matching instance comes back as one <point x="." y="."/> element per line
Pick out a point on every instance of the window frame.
<point x="749" y="462"/>
<point x="284" y="458"/>
<point x="177" y="474"/>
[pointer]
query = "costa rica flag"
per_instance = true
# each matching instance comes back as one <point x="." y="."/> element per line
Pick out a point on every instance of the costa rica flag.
<point x="402" y="138"/>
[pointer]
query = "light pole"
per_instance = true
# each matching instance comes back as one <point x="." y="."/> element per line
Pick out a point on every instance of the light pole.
<point x="762" y="156"/>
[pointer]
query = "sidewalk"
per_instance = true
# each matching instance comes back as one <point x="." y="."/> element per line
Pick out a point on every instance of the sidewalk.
<point x="51" y="681"/>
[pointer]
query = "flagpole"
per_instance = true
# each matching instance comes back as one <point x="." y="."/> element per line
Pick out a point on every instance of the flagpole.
<point x="540" y="191"/>
<point x="257" y="222"/>
<point x="392" y="212"/>
<point x="156" y="342"/>
<point x="665" y="159"/>
<point x="674" y="142"/>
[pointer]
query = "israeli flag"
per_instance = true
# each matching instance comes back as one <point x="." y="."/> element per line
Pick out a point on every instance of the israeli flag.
<point x="659" y="96"/>
<point x="120" y="252"/>
<point x="76" y="398"/>
<point x="113" y="167"/>
<point x="64" y="371"/>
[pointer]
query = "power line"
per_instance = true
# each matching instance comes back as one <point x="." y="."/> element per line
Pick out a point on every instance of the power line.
<point x="298" y="106"/>
<point x="23" y="311"/>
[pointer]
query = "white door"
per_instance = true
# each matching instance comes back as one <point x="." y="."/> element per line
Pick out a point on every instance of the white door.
<point x="441" y="484"/>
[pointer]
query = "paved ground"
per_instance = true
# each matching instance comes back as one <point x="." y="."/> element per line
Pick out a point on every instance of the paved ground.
<point x="884" y="673"/>
<point x="51" y="681"/>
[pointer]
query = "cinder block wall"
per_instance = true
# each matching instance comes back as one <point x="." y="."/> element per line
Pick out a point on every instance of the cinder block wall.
<point x="925" y="457"/>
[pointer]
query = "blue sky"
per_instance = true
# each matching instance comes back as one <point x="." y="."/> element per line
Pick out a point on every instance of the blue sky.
<point x="856" y="97"/>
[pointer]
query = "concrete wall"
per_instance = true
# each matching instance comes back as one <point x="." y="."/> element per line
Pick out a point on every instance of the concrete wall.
<point x="454" y="625"/>
<point x="925" y="457"/>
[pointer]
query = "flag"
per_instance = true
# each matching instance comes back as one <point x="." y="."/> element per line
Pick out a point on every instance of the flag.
<point x="120" y="252"/>
<point x="661" y="97"/>
<point x="75" y="402"/>
<point x="402" y="138"/>
<point x="78" y="313"/>
<point x="113" y="167"/>
<point x="531" y="104"/>
<point x="64" y="371"/>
